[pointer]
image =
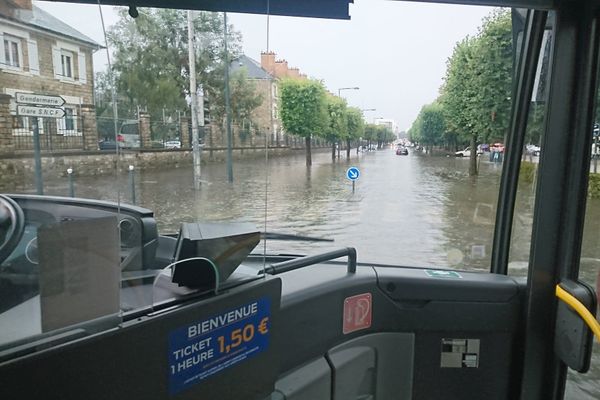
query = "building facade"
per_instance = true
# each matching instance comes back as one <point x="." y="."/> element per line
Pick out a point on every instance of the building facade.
<point x="41" y="54"/>
<point x="265" y="76"/>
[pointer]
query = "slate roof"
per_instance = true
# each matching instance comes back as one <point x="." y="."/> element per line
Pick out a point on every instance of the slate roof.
<point x="252" y="67"/>
<point x="38" y="18"/>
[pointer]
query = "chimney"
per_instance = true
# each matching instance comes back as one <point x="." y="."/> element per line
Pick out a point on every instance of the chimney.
<point x="281" y="68"/>
<point x="22" y="4"/>
<point x="267" y="61"/>
<point x="294" y="73"/>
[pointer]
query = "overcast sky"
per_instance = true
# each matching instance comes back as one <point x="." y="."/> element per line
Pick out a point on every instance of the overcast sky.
<point x="395" y="52"/>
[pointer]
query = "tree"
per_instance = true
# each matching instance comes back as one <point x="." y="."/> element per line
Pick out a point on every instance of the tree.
<point x="356" y="126"/>
<point x="430" y="125"/>
<point x="151" y="58"/>
<point x="244" y="100"/>
<point x="337" y="126"/>
<point x="370" y="134"/>
<point x="459" y="95"/>
<point x="478" y="83"/>
<point x="303" y="109"/>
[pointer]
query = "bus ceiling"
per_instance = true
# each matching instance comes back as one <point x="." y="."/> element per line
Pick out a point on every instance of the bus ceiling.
<point x="332" y="9"/>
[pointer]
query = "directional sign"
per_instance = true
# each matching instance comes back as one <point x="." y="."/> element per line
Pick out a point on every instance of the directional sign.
<point x="39" y="99"/>
<point x="42" y="112"/>
<point x="353" y="173"/>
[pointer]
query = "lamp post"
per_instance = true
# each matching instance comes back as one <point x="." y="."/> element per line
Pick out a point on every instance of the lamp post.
<point x="346" y="88"/>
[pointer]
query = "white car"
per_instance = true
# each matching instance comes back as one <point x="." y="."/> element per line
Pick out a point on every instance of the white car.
<point x="464" y="153"/>
<point x="173" y="144"/>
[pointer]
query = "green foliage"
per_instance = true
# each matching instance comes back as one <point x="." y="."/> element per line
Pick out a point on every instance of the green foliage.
<point x="337" y="127"/>
<point x="527" y="172"/>
<point x="478" y="83"/>
<point x="151" y="58"/>
<point x="594" y="186"/>
<point x="430" y="125"/>
<point x="378" y="133"/>
<point x="356" y="124"/>
<point x="303" y="107"/>
<point x="244" y="98"/>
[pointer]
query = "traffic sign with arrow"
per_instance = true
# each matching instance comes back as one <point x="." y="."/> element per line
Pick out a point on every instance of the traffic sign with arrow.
<point x="39" y="99"/>
<point x="352" y="173"/>
<point x="41" y="112"/>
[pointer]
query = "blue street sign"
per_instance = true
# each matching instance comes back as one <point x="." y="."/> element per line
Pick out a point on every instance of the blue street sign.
<point x="353" y="173"/>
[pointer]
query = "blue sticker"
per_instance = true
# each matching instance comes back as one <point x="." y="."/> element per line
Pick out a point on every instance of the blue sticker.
<point x="204" y="348"/>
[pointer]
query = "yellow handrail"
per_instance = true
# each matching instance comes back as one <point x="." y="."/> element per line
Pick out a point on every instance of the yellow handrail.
<point x="583" y="312"/>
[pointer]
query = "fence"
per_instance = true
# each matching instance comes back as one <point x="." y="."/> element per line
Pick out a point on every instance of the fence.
<point x="66" y="133"/>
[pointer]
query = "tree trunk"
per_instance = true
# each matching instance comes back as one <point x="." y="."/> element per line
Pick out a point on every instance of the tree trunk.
<point x="339" y="149"/>
<point x="473" y="158"/>
<point x="333" y="151"/>
<point x="308" y="155"/>
<point x="348" y="148"/>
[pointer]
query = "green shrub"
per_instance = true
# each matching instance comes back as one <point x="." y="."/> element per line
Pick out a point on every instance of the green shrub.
<point x="527" y="172"/>
<point x="594" y="186"/>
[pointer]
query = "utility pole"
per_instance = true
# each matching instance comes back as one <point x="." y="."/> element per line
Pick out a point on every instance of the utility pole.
<point x="227" y="106"/>
<point x="193" y="94"/>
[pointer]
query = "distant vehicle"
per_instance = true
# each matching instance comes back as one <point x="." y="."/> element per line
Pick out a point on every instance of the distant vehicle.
<point x="401" y="151"/>
<point x="107" y="144"/>
<point x="129" y="135"/>
<point x="464" y="153"/>
<point x="173" y="144"/>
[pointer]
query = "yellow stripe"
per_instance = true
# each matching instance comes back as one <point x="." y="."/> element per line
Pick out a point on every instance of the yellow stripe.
<point x="583" y="312"/>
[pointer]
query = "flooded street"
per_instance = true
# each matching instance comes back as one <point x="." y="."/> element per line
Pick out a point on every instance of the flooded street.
<point x="406" y="210"/>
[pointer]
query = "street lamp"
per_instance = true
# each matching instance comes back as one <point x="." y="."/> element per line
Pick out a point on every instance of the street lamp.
<point x="346" y="88"/>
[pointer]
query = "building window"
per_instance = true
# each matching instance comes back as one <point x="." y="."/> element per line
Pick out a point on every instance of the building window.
<point x="12" y="52"/>
<point x="69" y="121"/>
<point x="66" y="60"/>
<point x="68" y="125"/>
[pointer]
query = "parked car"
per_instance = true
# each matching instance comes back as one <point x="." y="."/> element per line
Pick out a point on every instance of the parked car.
<point x="173" y="144"/>
<point x="107" y="144"/>
<point x="464" y="153"/>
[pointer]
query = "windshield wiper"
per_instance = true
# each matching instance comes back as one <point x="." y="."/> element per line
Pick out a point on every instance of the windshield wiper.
<point x="276" y="236"/>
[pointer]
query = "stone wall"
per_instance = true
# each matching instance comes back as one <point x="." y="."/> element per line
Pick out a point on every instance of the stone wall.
<point x="6" y="138"/>
<point x="17" y="172"/>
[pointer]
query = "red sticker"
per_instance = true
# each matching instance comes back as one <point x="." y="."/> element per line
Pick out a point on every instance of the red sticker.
<point x="357" y="313"/>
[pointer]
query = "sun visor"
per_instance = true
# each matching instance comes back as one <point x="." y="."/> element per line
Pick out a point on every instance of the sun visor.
<point x="333" y="9"/>
<point x="223" y="245"/>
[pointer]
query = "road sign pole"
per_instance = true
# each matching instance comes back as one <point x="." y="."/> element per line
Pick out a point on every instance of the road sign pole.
<point x="353" y="185"/>
<point x="39" y="184"/>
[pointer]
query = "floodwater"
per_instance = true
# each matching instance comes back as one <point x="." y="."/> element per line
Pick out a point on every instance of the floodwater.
<point x="406" y="210"/>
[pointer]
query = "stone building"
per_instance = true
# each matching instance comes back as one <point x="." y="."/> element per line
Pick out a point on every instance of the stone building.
<point x="41" y="54"/>
<point x="266" y="76"/>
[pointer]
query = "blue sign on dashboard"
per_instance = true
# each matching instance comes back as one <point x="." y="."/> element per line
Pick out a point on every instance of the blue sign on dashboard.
<point x="352" y="173"/>
<point x="204" y="348"/>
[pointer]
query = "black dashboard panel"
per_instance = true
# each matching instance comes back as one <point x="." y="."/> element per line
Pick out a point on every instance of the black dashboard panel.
<point x="20" y="272"/>
<point x="137" y="226"/>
